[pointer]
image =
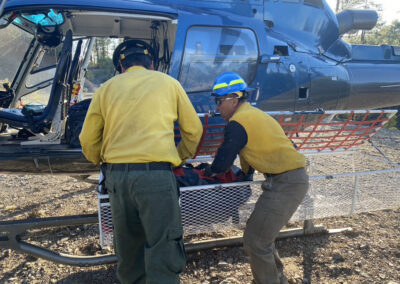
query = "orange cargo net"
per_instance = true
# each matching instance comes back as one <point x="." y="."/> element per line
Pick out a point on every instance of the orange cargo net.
<point x="331" y="130"/>
<point x="311" y="131"/>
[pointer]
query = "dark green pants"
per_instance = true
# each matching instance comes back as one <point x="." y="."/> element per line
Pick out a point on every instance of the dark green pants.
<point x="147" y="225"/>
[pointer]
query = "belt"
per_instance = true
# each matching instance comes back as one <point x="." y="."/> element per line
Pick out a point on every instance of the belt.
<point x="274" y="175"/>
<point x="270" y="175"/>
<point x="153" y="166"/>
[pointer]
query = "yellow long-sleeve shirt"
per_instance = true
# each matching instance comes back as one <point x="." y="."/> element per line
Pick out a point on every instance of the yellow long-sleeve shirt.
<point x="268" y="149"/>
<point x="131" y="120"/>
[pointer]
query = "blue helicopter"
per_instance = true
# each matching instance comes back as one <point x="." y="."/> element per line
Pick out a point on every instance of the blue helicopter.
<point x="289" y="51"/>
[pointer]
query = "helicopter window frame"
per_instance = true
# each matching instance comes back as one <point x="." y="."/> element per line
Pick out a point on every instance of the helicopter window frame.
<point x="220" y="55"/>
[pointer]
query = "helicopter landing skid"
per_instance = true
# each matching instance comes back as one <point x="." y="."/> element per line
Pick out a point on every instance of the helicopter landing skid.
<point x="10" y="232"/>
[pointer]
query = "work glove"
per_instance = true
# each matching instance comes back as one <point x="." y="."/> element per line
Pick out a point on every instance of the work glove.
<point x="208" y="172"/>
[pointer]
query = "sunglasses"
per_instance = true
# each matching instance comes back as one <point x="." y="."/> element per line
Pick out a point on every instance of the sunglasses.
<point x="218" y="101"/>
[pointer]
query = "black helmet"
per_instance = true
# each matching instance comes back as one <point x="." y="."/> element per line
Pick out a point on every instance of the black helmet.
<point x="49" y="36"/>
<point x="130" y="47"/>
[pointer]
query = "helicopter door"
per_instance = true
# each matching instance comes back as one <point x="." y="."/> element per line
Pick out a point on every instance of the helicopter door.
<point x="328" y="85"/>
<point x="301" y="72"/>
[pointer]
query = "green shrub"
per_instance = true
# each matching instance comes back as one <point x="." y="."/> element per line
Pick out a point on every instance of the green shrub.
<point x="392" y="124"/>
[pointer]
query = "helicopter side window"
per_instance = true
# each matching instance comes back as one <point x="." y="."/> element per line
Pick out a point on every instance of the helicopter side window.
<point x="44" y="67"/>
<point x="48" y="59"/>
<point x="210" y="51"/>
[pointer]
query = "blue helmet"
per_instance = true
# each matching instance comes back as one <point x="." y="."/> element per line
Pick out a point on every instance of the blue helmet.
<point x="228" y="83"/>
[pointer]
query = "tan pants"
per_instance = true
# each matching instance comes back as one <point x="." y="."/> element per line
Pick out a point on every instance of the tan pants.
<point x="281" y="196"/>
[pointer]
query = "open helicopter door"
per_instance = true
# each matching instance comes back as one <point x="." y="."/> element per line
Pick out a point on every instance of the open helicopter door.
<point x="42" y="77"/>
<point x="37" y="118"/>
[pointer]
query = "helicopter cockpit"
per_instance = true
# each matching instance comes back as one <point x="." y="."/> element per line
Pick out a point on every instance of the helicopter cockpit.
<point x="45" y="59"/>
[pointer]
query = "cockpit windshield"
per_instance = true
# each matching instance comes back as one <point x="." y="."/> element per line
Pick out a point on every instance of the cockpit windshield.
<point x="13" y="46"/>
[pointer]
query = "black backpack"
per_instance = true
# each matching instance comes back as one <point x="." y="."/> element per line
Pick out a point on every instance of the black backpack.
<point x="76" y="117"/>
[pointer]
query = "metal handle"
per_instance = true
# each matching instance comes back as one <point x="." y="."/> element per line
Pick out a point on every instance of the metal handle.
<point x="270" y="59"/>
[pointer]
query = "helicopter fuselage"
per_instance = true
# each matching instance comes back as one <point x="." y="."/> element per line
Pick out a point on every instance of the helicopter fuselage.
<point x="290" y="52"/>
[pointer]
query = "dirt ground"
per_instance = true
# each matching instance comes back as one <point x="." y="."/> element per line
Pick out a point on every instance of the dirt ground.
<point x="368" y="253"/>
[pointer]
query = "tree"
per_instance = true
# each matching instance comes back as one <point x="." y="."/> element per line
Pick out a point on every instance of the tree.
<point x="101" y="49"/>
<point x="347" y="4"/>
<point x="387" y="34"/>
<point x="101" y="67"/>
<point x="357" y="4"/>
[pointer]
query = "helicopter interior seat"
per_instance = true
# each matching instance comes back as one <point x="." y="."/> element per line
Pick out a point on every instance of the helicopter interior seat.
<point x="73" y="73"/>
<point x="41" y="121"/>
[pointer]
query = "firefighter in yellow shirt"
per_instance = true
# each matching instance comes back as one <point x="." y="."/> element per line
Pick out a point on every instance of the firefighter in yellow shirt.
<point x="262" y="145"/>
<point x="129" y="128"/>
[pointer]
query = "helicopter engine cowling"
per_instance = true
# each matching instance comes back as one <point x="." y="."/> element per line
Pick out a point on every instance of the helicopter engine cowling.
<point x="349" y="20"/>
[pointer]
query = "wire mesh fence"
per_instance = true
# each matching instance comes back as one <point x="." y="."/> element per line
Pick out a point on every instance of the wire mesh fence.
<point x="225" y="207"/>
<point x="338" y="185"/>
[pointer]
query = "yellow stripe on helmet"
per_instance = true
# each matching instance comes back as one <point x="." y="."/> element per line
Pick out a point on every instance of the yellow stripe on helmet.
<point x="231" y="83"/>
